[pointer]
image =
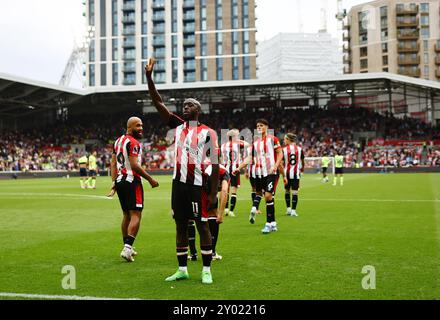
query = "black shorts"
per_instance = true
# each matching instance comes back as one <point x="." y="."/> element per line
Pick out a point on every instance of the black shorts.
<point x="292" y="184"/>
<point x="189" y="202"/>
<point x="253" y="182"/>
<point x="266" y="184"/>
<point x="324" y="169"/>
<point x="235" y="180"/>
<point x="339" y="170"/>
<point x="82" y="172"/>
<point x="131" y="195"/>
<point x="92" y="173"/>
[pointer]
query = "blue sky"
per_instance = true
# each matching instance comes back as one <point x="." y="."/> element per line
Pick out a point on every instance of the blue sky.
<point x="37" y="36"/>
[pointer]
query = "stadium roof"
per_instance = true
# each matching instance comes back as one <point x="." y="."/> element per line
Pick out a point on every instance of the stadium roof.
<point x="23" y="97"/>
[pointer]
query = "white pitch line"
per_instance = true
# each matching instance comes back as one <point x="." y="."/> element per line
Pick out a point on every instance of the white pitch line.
<point x="73" y="195"/>
<point x="330" y="199"/>
<point x="60" y="297"/>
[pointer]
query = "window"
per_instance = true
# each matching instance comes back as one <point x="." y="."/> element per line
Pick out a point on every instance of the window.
<point x="425" y="45"/>
<point x="424" y="7"/>
<point x="384" y="35"/>
<point x="385" y="69"/>
<point x="364" y="63"/>
<point x="246" y="67"/>
<point x="424" y="20"/>
<point x="234" y="68"/>
<point x="424" y="31"/>
<point x="364" y="51"/>
<point x="102" y="18"/>
<point x="385" y="60"/>
<point x="363" y="39"/>
<point x="114" y="49"/>
<point x="425" y="58"/>
<point x="203" y="69"/>
<point x="144" y="16"/>
<point x="114" y="17"/>
<point x="103" y="50"/>
<point x="175" y="70"/>
<point x="426" y="71"/>
<point x="363" y="22"/>
<point x="219" y="68"/>
<point x="174" y="46"/>
<point x="92" y="75"/>
<point x="384" y="11"/>
<point x="384" y="47"/>
<point x="92" y="50"/>
<point x="92" y="12"/>
<point x="103" y="74"/>
<point x="115" y="74"/>
<point x="144" y="48"/>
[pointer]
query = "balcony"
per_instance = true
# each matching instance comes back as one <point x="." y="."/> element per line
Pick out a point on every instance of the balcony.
<point x="128" y="31"/>
<point x="189" y="28"/>
<point x="160" y="65"/>
<point x="189" y="53"/>
<point x="411" y="10"/>
<point x="159" y="54"/>
<point x="189" y="16"/>
<point x="407" y="35"/>
<point x="409" y="72"/>
<point x="159" y="29"/>
<point x="129" y="57"/>
<point x="346" y="38"/>
<point x="129" y="6"/>
<point x="158" y="4"/>
<point x="131" y="43"/>
<point x="128" y="19"/>
<point x="406" y="49"/>
<point x="189" y="4"/>
<point x="346" y="49"/>
<point x="189" y="65"/>
<point x="347" y="59"/>
<point x="347" y="70"/>
<point x="437" y="73"/>
<point x="191" y="41"/>
<point x="437" y="47"/>
<point x="129" y="82"/>
<point x="408" y="61"/>
<point x="158" y="42"/>
<point x="346" y="26"/>
<point x="159" y="16"/>
<point x="129" y="68"/>
<point x="437" y="60"/>
<point x="407" y="23"/>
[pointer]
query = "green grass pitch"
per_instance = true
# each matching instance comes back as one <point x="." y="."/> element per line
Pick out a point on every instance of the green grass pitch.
<point x="388" y="221"/>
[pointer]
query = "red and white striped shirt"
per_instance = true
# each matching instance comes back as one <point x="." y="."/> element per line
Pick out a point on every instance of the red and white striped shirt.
<point x="264" y="155"/>
<point x="231" y="154"/>
<point x="293" y="155"/>
<point x="192" y="146"/>
<point x="123" y="148"/>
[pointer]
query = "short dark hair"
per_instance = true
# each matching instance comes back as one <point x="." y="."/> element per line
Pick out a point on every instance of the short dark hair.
<point x="291" y="137"/>
<point x="193" y="102"/>
<point x="263" y="121"/>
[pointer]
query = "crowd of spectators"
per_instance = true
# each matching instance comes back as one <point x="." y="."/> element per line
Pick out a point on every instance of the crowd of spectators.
<point x="320" y="132"/>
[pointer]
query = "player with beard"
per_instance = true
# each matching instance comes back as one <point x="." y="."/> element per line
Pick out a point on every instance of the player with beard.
<point x="126" y="172"/>
<point x="194" y="144"/>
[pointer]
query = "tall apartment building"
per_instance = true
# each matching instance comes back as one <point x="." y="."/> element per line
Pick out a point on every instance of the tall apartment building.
<point x="397" y="36"/>
<point x="289" y="56"/>
<point x="192" y="40"/>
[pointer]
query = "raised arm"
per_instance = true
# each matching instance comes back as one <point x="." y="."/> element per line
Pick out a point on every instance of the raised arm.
<point x="165" y="114"/>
